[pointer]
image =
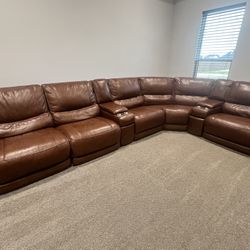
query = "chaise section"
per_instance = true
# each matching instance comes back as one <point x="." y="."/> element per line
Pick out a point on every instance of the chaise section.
<point x="30" y="149"/>
<point x="234" y="129"/>
<point x="75" y="112"/>
<point x="231" y="127"/>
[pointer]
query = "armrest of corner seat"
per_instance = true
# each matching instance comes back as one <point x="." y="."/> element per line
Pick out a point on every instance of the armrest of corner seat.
<point x="210" y="103"/>
<point x="123" y="119"/>
<point x="113" y="108"/>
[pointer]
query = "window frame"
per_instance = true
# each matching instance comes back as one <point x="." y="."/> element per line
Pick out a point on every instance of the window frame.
<point x="198" y="47"/>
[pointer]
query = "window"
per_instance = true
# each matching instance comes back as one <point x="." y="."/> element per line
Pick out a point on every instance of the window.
<point x="217" y="41"/>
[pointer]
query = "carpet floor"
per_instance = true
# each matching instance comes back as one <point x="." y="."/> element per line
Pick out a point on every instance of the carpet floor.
<point x="168" y="191"/>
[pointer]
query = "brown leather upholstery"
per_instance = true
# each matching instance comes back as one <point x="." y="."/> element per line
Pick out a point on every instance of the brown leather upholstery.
<point x="210" y="103"/>
<point x="91" y="135"/>
<point x="71" y="102"/>
<point x="219" y="89"/>
<point x="23" y="109"/>
<point x="157" y="90"/>
<point x="124" y="88"/>
<point x="29" y="149"/>
<point x="203" y="112"/>
<point x="229" y="127"/>
<point x="74" y="109"/>
<point x="239" y="93"/>
<point x="113" y="108"/>
<point x="126" y="92"/>
<point x="147" y="118"/>
<point x="189" y="91"/>
<point x="127" y="109"/>
<point x="101" y="90"/>
<point x="26" y="154"/>
<point x="177" y="114"/>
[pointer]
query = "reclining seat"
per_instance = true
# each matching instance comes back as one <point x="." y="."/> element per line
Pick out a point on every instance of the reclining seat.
<point x="30" y="148"/>
<point x="187" y="93"/>
<point x="232" y="127"/>
<point x="75" y="112"/>
<point x="126" y="92"/>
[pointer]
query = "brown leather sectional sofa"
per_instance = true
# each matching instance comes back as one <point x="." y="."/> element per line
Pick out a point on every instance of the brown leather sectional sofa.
<point x="45" y="129"/>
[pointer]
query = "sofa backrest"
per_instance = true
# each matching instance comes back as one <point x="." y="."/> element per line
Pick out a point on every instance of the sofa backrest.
<point x="157" y="90"/>
<point x="71" y="101"/>
<point x="126" y="92"/>
<point x="101" y="89"/>
<point x="237" y="99"/>
<point x="23" y="109"/>
<point x="219" y="89"/>
<point x="190" y="91"/>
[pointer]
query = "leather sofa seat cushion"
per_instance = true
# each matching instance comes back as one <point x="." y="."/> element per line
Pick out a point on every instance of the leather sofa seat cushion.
<point x="91" y="135"/>
<point x="177" y="114"/>
<point x="147" y="118"/>
<point x="25" y="154"/>
<point x="229" y="127"/>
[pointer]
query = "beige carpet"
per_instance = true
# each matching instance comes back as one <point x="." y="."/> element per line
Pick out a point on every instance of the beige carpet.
<point x="168" y="191"/>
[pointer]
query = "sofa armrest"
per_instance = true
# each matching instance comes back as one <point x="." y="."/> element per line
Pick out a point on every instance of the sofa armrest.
<point x="203" y="112"/>
<point x="123" y="119"/>
<point x="210" y="103"/>
<point x="113" y="108"/>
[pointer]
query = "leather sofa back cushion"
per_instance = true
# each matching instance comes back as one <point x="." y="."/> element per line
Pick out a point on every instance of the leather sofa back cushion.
<point x="157" y="86"/>
<point x="189" y="91"/>
<point x="20" y="103"/>
<point x="23" y="109"/>
<point x="131" y="102"/>
<point x="101" y="90"/>
<point x="192" y="87"/>
<point x="124" y="88"/>
<point x="70" y="102"/>
<point x="239" y="93"/>
<point x="219" y="89"/>
<point x="236" y="109"/>
<point x="157" y="90"/>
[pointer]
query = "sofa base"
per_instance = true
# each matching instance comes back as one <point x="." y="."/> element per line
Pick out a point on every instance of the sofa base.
<point x="89" y="157"/>
<point x="127" y="134"/>
<point x="175" y="127"/>
<point x="195" y="125"/>
<point x="147" y="132"/>
<point x="235" y="146"/>
<point x="5" y="188"/>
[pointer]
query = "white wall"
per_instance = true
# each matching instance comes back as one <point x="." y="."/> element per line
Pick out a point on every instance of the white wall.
<point x="65" y="40"/>
<point x="186" y="24"/>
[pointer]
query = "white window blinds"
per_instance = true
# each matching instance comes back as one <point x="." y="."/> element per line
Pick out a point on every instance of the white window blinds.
<point x="217" y="41"/>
